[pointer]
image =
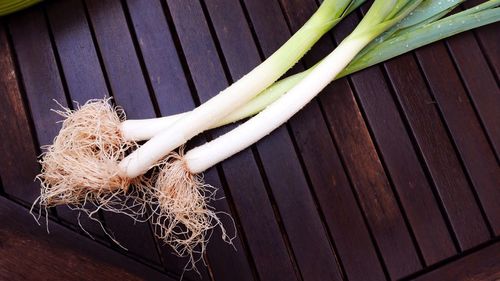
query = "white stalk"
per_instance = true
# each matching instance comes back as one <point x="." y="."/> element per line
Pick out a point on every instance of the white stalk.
<point x="203" y="157"/>
<point x="145" y="129"/>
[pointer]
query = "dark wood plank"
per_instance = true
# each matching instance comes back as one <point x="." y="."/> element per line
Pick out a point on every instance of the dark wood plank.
<point x="39" y="71"/>
<point x="490" y="41"/>
<point x="160" y="57"/>
<point x="392" y="255"/>
<point x="480" y="265"/>
<point x="376" y="169"/>
<point x="437" y="151"/>
<point x="370" y="181"/>
<point x="488" y="36"/>
<point x="406" y="172"/>
<point x="480" y="83"/>
<point x="30" y="253"/>
<point x="17" y="141"/>
<point x="343" y="218"/>
<point x="401" y="160"/>
<point x="120" y="60"/>
<point x="460" y="118"/>
<point x="173" y="95"/>
<point x="245" y="184"/>
<point x="73" y="40"/>
<point x="297" y="209"/>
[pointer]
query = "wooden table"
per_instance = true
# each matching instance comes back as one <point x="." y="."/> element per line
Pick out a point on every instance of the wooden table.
<point x="391" y="173"/>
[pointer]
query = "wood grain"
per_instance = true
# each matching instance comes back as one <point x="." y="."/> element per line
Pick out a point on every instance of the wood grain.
<point x="488" y="37"/>
<point x="17" y="140"/>
<point x="60" y="254"/>
<point x="39" y="72"/>
<point x="480" y="265"/>
<point x="463" y="124"/>
<point x="369" y="178"/>
<point x="480" y="83"/>
<point x="401" y="161"/>
<point x="437" y="151"/>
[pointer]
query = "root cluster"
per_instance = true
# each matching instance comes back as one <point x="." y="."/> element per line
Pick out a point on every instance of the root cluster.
<point x="182" y="217"/>
<point x="81" y="166"/>
<point x="80" y="169"/>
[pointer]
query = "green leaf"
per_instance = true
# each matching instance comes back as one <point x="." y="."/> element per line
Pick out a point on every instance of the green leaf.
<point x="403" y="42"/>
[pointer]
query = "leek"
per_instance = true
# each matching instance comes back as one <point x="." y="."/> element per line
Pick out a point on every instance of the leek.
<point x="239" y="93"/>
<point x="421" y="27"/>
<point x="381" y="16"/>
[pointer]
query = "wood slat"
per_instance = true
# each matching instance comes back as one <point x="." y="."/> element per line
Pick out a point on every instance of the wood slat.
<point x="437" y="151"/>
<point x="60" y="255"/>
<point x="39" y="71"/>
<point x="489" y="40"/>
<point x="245" y="184"/>
<point x="173" y="95"/>
<point x="121" y="64"/>
<point x="88" y="82"/>
<point x="44" y="64"/>
<point x="368" y="178"/>
<point x="488" y="36"/>
<point x="17" y="140"/>
<point x="43" y="85"/>
<point x="160" y="56"/>
<point x="480" y="265"/>
<point x="460" y="118"/>
<point x="480" y="83"/>
<point x="301" y="221"/>
<point x="77" y="53"/>
<point x="408" y="177"/>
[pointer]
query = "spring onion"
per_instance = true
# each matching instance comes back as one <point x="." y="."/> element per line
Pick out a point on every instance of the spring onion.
<point x="86" y="153"/>
<point x="180" y="191"/>
<point x="381" y="16"/>
<point x="82" y="166"/>
<point x="420" y="28"/>
<point x="203" y="117"/>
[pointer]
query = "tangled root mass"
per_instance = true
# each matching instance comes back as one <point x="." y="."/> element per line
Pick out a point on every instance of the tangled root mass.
<point x="80" y="169"/>
<point x="182" y="217"/>
<point x="81" y="166"/>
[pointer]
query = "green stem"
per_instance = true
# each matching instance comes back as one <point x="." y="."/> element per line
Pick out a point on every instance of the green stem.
<point x="16" y="5"/>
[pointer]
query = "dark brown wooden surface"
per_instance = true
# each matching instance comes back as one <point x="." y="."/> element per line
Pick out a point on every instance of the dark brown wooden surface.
<point x="392" y="173"/>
